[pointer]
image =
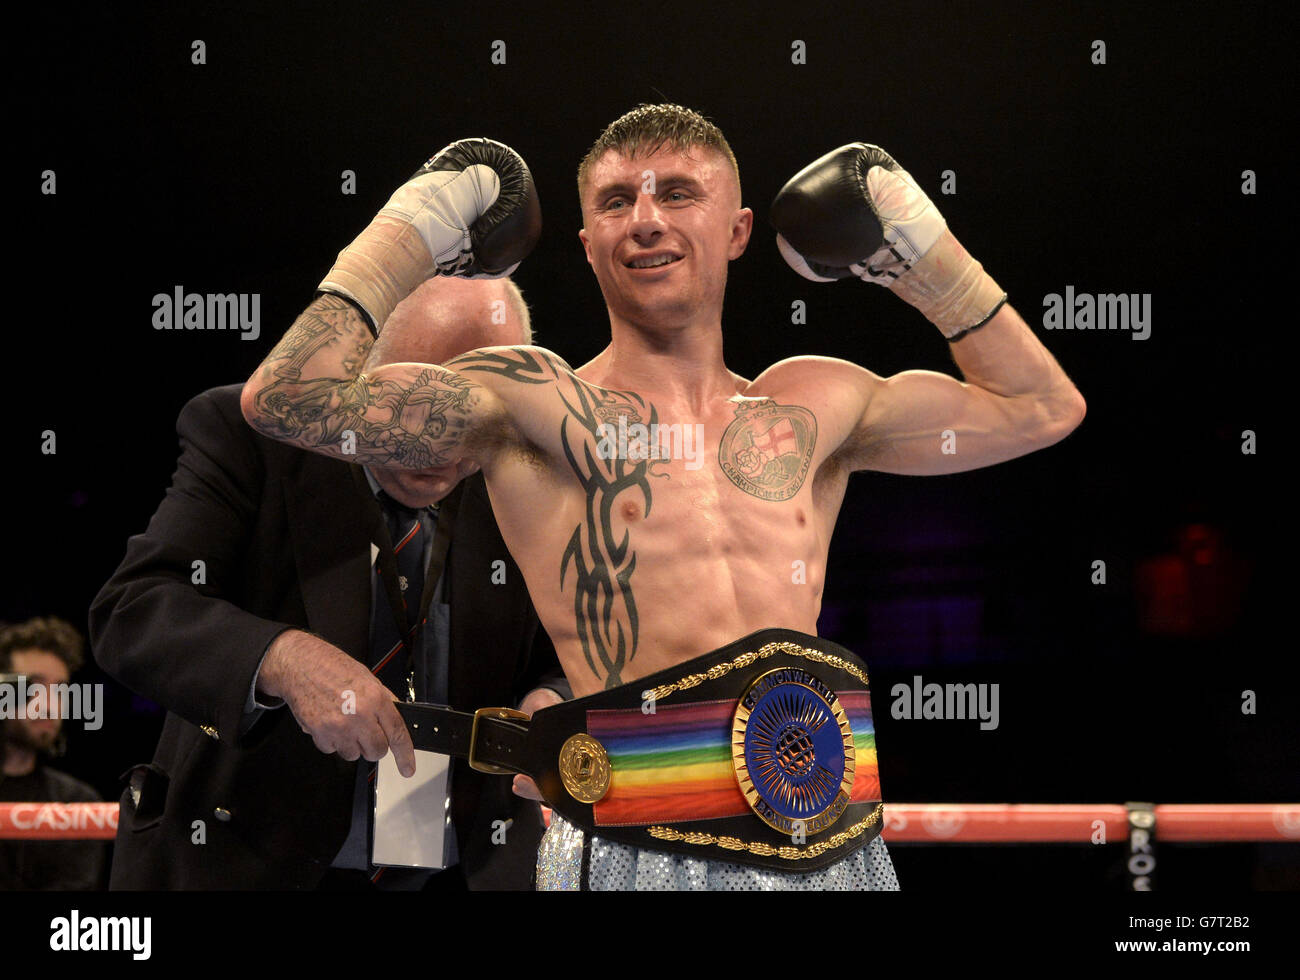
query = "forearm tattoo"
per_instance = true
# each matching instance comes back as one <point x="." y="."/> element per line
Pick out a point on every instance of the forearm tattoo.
<point x="602" y="561"/>
<point x="412" y="423"/>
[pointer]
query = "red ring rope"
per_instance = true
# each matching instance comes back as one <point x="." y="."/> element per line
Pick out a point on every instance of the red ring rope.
<point x="935" y="823"/>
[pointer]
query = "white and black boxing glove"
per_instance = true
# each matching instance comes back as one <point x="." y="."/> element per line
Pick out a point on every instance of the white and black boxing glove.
<point x="470" y="211"/>
<point x="856" y="213"/>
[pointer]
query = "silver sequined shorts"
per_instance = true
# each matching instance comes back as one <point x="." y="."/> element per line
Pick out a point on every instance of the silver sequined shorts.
<point x="619" y="867"/>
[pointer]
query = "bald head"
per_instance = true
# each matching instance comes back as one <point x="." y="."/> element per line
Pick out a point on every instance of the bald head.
<point x="447" y="316"/>
<point x="443" y="319"/>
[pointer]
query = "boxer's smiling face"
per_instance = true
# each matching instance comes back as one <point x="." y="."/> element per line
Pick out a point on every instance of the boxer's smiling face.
<point x="659" y="232"/>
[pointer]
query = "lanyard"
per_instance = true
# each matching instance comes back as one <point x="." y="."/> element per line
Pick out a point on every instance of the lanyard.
<point x="387" y="566"/>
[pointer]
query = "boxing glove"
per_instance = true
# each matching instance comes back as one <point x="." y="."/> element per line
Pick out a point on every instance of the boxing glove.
<point x="470" y="211"/>
<point x="856" y="212"/>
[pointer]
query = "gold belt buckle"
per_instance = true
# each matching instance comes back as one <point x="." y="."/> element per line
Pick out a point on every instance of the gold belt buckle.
<point x="505" y="714"/>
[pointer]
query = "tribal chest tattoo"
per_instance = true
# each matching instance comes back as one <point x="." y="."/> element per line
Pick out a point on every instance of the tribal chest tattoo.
<point x="766" y="452"/>
<point x="600" y="561"/>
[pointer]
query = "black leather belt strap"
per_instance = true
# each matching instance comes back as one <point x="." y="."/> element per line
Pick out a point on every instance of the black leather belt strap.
<point x="492" y="739"/>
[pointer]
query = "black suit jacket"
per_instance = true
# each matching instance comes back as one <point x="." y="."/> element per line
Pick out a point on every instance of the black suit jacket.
<point x="283" y="544"/>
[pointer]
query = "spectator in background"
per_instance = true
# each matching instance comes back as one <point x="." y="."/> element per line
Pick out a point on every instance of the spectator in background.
<point x="46" y="652"/>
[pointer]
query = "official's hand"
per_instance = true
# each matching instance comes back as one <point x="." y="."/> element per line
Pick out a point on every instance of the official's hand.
<point x="336" y="700"/>
<point x="535" y="700"/>
<point x="525" y="787"/>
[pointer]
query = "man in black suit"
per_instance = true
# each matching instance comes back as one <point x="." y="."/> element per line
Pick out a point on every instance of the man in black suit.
<point x="253" y="600"/>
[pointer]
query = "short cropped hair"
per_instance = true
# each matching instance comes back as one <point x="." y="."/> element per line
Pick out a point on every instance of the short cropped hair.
<point x="650" y="128"/>
<point x="46" y="634"/>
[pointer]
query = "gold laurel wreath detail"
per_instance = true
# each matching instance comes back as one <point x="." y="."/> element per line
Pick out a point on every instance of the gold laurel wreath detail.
<point x="789" y="853"/>
<point x="745" y="659"/>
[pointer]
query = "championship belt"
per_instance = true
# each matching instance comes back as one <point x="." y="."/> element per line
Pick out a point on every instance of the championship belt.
<point x="761" y="752"/>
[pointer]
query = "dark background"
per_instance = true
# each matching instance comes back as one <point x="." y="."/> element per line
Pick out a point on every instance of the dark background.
<point x="1123" y="177"/>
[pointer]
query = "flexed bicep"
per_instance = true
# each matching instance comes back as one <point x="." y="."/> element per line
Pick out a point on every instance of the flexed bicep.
<point x="924" y="423"/>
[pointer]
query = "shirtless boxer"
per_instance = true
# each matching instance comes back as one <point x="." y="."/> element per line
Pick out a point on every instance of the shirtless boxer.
<point x="636" y="563"/>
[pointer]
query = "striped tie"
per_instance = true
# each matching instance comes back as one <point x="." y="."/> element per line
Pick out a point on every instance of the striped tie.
<point x="389" y="649"/>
